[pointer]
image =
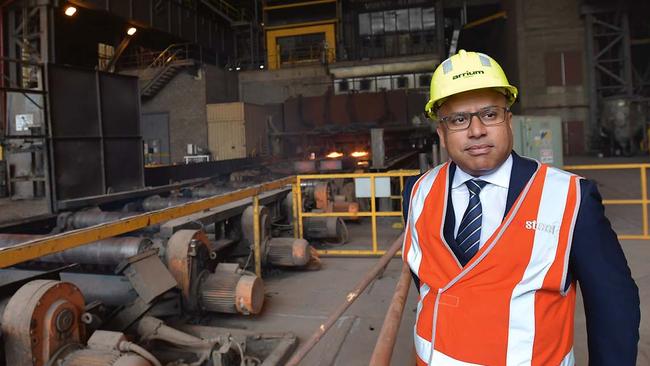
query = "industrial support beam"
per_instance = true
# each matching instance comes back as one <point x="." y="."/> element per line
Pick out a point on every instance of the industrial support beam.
<point x="12" y="255"/>
<point x="608" y="58"/>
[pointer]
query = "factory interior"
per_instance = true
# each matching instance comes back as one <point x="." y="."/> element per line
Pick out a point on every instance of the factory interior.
<point x="219" y="182"/>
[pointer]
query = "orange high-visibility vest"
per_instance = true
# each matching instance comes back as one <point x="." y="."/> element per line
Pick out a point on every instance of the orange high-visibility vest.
<point x="508" y="305"/>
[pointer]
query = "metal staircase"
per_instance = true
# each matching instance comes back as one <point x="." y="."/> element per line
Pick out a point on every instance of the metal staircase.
<point x="164" y="68"/>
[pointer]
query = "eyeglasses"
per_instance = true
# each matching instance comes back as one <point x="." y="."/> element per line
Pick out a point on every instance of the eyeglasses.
<point x="489" y="116"/>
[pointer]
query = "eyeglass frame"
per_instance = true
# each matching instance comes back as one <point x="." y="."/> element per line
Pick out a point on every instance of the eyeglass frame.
<point x="471" y="115"/>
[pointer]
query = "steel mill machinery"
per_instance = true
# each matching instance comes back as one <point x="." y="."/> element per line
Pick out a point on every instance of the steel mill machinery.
<point x="108" y="302"/>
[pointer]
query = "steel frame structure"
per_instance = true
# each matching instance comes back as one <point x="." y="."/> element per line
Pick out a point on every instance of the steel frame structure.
<point x="609" y="59"/>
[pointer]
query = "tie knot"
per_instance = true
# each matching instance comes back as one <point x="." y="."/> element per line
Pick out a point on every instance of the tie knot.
<point x="475" y="185"/>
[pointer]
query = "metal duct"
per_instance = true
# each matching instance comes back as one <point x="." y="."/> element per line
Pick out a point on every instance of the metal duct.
<point x="391" y="68"/>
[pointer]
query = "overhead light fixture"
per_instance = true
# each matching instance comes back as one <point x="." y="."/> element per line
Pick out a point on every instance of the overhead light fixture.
<point x="238" y="68"/>
<point x="131" y="31"/>
<point x="70" y="11"/>
<point x="262" y="66"/>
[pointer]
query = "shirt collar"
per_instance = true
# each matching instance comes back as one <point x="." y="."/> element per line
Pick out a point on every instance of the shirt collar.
<point x="500" y="177"/>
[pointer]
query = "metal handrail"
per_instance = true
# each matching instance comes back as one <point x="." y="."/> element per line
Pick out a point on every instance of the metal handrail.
<point x="373" y="213"/>
<point x="643" y="201"/>
<point x="162" y="58"/>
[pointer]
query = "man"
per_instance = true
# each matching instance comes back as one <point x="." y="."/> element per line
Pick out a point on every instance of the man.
<point x="496" y="242"/>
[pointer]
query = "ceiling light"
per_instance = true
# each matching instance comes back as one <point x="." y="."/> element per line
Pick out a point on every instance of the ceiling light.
<point x="238" y="68"/>
<point x="261" y="66"/>
<point x="70" y="11"/>
<point x="131" y="31"/>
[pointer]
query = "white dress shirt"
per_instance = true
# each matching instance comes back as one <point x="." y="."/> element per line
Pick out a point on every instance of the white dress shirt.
<point x="493" y="198"/>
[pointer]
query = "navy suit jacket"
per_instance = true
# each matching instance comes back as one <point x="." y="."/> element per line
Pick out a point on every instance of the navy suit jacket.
<point x="597" y="262"/>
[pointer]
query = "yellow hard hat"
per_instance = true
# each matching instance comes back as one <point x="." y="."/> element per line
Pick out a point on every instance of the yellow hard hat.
<point x="466" y="71"/>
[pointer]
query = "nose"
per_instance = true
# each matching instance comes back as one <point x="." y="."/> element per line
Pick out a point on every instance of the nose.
<point x="476" y="127"/>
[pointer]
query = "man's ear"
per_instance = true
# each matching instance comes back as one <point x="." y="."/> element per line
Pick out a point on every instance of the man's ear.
<point x="441" y="135"/>
<point x="509" y="118"/>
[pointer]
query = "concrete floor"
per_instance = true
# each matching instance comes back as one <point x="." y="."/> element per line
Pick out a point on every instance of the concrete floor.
<point x="301" y="301"/>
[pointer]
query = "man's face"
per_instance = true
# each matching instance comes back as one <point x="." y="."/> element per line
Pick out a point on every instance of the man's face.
<point x="479" y="149"/>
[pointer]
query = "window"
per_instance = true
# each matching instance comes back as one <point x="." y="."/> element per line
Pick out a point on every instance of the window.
<point x="400" y="20"/>
<point x="105" y="53"/>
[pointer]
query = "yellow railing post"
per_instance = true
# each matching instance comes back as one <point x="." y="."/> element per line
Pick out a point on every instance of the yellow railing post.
<point x="298" y="204"/>
<point x="373" y="211"/>
<point x="256" y="236"/>
<point x="401" y="195"/>
<point x="294" y="209"/>
<point x="644" y="198"/>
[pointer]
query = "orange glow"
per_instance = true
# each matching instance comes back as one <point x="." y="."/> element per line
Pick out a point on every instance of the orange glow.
<point x="362" y="163"/>
<point x="359" y="154"/>
<point x="334" y="155"/>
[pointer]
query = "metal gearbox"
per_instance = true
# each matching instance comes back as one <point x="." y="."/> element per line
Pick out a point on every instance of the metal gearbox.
<point x="40" y="318"/>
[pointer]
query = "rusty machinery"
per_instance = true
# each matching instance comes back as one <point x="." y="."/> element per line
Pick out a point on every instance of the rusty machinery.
<point x="189" y="249"/>
<point x="43" y="325"/>
<point x="334" y="195"/>
<point x="179" y="267"/>
<point x="187" y="256"/>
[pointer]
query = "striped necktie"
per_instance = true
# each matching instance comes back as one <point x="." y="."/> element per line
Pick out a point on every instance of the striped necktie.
<point x="469" y="231"/>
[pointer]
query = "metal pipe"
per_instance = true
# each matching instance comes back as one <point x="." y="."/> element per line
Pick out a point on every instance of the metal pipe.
<point x="203" y="192"/>
<point x="349" y="299"/>
<point x="383" y="351"/>
<point x="109" y="251"/>
<point x="108" y="289"/>
<point x="83" y="219"/>
<point x="155" y="203"/>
